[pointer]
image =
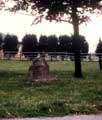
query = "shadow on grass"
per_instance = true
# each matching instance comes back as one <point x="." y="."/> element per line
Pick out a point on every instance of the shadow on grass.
<point x="11" y="80"/>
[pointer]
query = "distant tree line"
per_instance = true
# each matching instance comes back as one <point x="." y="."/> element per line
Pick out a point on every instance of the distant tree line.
<point x="50" y="44"/>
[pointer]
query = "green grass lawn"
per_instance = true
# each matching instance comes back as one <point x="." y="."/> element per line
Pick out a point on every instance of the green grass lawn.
<point x="66" y="95"/>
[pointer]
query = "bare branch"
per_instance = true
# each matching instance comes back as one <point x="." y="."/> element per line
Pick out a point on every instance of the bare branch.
<point x="37" y="20"/>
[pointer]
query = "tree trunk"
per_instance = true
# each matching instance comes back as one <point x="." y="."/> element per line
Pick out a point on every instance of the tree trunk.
<point x="100" y="62"/>
<point x="75" y="22"/>
<point x="78" y="70"/>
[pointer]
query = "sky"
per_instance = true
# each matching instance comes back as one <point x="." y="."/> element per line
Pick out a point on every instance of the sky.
<point x="20" y="24"/>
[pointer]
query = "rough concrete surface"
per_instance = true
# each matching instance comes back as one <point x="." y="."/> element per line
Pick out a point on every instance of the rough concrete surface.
<point x="69" y="117"/>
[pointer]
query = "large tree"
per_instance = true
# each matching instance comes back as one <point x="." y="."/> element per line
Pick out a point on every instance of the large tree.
<point x="57" y="9"/>
<point x="1" y="40"/>
<point x="99" y="53"/>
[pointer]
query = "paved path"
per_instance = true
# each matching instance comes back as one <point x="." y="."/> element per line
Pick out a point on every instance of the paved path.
<point x="69" y="117"/>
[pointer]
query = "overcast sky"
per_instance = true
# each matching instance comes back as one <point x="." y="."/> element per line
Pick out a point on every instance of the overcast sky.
<point x="20" y="24"/>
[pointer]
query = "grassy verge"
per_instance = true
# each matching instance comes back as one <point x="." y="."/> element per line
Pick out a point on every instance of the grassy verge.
<point x="20" y="98"/>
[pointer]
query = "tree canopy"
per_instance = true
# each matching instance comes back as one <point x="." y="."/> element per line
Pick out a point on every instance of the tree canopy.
<point x="43" y="43"/>
<point x="65" y="43"/>
<point x="30" y="45"/>
<point x="1" y="40"/>
<point x="99" y="47"/>
<point x="52" y="43"/>
<point x="81" y="45"/>
<point x="10" y="43"/>
<point x="56" y="9"/>
<point x="99" y="53"/>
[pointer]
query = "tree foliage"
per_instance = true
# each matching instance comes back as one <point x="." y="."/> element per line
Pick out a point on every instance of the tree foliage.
<point x="79" y="43"/>
<point x="65" y="43"/>
<point x="56" y="9"/>
<point x="99" y="47"/>
<point x="99" y="53"/>
<point x="69" y="44"/>
<point x="30" y="45"/>
<point x="52" y="43"/>
<point x="10" y="43"/>
<point x="1" y="40"/>
<point x="43" y="43"/>
<point x="52" y="47"/>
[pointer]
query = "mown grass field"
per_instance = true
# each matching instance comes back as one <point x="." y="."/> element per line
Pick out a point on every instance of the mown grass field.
<point x="67" y="95"/>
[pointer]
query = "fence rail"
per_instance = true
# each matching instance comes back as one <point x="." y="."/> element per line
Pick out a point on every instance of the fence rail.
<point x="48" y="55"/>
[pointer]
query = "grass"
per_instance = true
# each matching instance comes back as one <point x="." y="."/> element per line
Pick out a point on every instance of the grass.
<point x="67" y="95"/>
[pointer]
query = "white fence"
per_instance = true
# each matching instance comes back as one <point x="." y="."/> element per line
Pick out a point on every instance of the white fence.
<point x="53" y="56"/>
